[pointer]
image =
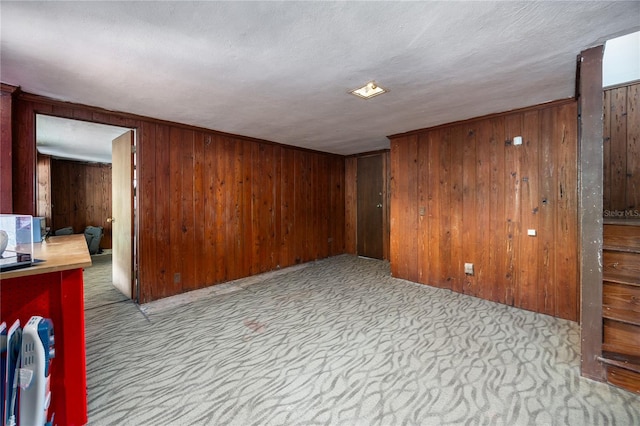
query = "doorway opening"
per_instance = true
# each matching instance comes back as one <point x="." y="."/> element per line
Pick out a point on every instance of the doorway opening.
<point x="76" y="188"/>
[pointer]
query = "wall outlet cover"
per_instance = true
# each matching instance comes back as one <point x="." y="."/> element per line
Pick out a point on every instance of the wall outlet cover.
<point x="468" y="268"/>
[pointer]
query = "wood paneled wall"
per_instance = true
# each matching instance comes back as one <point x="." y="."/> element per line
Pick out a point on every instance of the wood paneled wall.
<point x="24" y="146"/>
<point x="621" y="149"/>
<point x="81" y="196"/>
<point x="465" y="193"/>
<point x="212" y="207"/>
<point x="215" y="208"/>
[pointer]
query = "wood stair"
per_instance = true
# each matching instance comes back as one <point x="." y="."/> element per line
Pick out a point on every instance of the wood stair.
<point x="621" y="304"/>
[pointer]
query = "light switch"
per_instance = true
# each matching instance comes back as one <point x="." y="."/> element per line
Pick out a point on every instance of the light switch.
<point x="517" y="140"/>
<point x="531" y="232"/>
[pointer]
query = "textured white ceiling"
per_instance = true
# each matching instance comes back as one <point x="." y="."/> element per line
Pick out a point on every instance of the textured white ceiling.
<point x="74" y="139"/>
<point x="281" y="70"/>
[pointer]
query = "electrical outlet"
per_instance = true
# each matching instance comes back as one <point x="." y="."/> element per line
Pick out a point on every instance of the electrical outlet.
<point x="176" y="278"/>
<point x="468" y="268"/>
<point x="531" y="232"/>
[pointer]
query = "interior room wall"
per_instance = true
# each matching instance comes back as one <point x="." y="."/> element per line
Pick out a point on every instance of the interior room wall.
<point x="212" y="207"/>
<point x="81" y="196"/>
<point x="466" y="193"/>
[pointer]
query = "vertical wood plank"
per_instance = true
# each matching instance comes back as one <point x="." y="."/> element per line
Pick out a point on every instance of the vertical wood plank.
<point x="202" y="269"/>
<point x="411" y="212"/>
<point x="404" y="193"/>
<point x="208" y="275"/>
<point x="482" y="237"/>
<point x="546" y="214"/>
<point x="175" y="212"/>
<point x="395" y="224"/>
<point x="633" y="148"/>
<point x="300" y="176"/>
<point x="618" y="148"/>
<point x="146" y="163"/>
<point x="468" y="212"/>
<point x="162" y="215"/>
<point x="277" y="196"/>
<point x="323" y="202"/>
<point x="262" y="207"/>
<point x="527" y="290"/>
<point x="338" y="185"/>
<point x="187" y="224"/>
<point x="444" y="163"/>
<point x="386" y="204"/>
<point x="219" y="160"/>
<point x="460" y="156"/>
<point x="230" y="205"/>
<point x="606" y="153"/>
<point x="249" y="264"/>
<point x="424" y="258"/>
<point x="567" y="214"/>
<point x="434" y="200"/>
<point x="351" y="222"/>
<point x="314" y="213"/>
<point x="287" y="207"/>
<point x="497" y="230"/>
<point x="24" y="161"/>
<point x="235" y="228"/>
<point x="513" y="128"/>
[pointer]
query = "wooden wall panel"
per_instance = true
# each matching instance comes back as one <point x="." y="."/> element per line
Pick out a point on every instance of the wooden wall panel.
<point x="527" y="290"/>
<point x="237" y="208"/>
<point x="496" y="141"/>
<point x="633" y="148"/>
<point x="404" y="207"/>
<point x="81" y="197"/>
<point x="478" y="194"/>
<point x="482" y="191"/>
<point x="621" y="135"/>
<point x="146" y="242"/>
<point x="567" y="289"/>
<point x="424" y="212"/>
<point x="337" y="220"/>
<point x="212" y="207"/>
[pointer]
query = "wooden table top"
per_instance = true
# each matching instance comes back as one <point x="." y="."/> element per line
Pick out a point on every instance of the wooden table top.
<point x="59" y="253"/>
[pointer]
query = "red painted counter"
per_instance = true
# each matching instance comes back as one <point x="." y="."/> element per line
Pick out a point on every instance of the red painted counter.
<point x="54" y="289"/>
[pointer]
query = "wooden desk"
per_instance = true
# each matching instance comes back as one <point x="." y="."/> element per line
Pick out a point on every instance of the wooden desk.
<point x="54" y="289"/>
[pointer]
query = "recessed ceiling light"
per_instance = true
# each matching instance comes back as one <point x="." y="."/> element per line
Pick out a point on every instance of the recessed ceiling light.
<point x="369" y="90"/>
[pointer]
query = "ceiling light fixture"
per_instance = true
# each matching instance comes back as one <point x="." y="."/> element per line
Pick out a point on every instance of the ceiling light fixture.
<point x="369" y="90"/>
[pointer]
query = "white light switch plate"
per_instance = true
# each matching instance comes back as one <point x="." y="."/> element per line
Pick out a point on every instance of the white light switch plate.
<point x="531" y="232"/>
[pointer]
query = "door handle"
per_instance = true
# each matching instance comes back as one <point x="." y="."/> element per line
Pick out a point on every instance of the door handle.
<point x="379" y="206"/>
<point x="111" y="220"/>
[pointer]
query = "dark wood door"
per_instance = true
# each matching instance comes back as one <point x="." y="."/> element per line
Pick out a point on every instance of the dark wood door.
<point x="370" y="206"/>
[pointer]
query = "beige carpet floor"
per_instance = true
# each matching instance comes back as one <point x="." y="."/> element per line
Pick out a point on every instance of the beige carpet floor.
<point x="335" y="342"/>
